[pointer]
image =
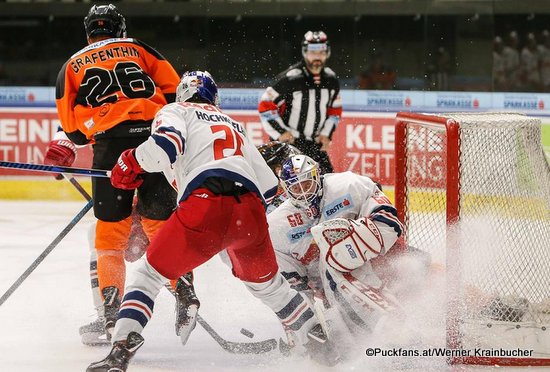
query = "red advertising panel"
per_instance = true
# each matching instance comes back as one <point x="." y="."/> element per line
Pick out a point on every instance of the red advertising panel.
<point x="362" y="143"/>
<point x="24" y="136"/>
<point x="365" y="145"/>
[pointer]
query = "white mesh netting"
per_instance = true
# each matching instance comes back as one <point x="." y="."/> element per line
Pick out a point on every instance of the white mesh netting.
<point x="503" y="234"/>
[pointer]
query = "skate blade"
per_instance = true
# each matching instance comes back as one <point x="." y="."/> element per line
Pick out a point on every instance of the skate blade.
<point x="95" y="339"/>
<point x="184" y="331"/>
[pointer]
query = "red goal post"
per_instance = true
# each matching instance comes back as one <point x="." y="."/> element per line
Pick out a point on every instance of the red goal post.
<point x="473" y="189"/>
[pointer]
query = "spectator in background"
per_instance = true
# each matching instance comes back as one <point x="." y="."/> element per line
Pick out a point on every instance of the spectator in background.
<point x="529" y="61"/>
<point x="303" y="106"/>
<point x="377" y="76"/>
<point x="500" y="82"/>
<point x="510" y="54"/>
<point x="544" y="60"/>
<point x="440" y="69"/>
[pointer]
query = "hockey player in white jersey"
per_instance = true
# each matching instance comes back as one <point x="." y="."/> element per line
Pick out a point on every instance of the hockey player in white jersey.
<point x="326" y="234"/>
<point x="223" y="187"/>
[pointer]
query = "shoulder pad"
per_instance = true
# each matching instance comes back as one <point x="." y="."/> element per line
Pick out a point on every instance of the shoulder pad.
<point x="329" y="71"/>
<point x="293" y="73"/>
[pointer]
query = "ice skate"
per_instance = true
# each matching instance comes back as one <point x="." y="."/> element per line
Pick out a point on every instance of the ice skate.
<point x="93" y="334"/>
<point x="187" y="307"/>
<point x="120" y="355"/>
<point x="111" y="305"/>
<point x="320" y="348"/>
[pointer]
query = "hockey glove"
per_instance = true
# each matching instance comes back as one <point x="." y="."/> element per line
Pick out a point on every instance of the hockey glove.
<point x="126" y="173"/>
<point x="61" y="152"/>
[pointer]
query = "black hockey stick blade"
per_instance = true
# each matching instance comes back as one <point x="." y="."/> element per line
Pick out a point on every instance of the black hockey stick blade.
<point x="259" y="347"/>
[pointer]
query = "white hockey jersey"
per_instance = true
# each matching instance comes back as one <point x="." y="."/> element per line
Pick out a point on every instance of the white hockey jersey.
<point x="193" y="141"/>
<point x="345" y="195"/>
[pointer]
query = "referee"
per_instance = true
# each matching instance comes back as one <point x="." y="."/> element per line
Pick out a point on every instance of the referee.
<point x="303" y="106"/>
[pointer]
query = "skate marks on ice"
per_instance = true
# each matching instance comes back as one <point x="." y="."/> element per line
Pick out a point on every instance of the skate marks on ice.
<point x="40" y="321"/>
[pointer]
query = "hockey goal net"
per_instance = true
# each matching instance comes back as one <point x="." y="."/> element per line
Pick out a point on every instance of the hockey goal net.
<point x="474" y="191"/>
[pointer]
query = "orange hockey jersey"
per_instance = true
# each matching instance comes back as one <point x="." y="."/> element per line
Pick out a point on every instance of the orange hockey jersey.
<point x="110" y="82"/>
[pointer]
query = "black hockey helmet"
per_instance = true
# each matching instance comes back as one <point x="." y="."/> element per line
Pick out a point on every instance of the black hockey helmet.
<point x="275" y="153"/>
<point x="105" y="20"/>
<point x="315" y="40"/>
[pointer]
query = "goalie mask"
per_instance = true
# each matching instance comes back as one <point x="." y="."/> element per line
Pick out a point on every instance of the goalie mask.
<point x="197" y="85"/>
<point x="301" y="180"/>
<point x="105" y="20"/>
<point x="347" y="244"/>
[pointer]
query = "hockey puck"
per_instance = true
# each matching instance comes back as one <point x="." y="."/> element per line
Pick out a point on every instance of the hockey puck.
<point x="247" y="333"/>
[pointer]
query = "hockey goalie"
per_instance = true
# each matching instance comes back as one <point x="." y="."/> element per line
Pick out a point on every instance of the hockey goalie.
<point x="326" y="236"/>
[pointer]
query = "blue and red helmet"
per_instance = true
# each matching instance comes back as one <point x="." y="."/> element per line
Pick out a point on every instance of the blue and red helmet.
<point x="301" y="180"/>
<point x="199" y="84"/>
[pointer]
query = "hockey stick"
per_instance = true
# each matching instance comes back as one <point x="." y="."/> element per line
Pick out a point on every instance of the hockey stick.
<point x="55" y="169"/>
<point x="259" y="347"/>
<point x="47" y="251"/>
<point x="78" y="187"/>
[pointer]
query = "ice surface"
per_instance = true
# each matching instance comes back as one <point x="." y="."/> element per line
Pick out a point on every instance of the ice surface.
<point x="39" y="322"/>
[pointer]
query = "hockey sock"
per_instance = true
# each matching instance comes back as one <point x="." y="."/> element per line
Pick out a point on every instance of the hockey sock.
<point x="111" y="269"/>
<point x="111" y="241"/>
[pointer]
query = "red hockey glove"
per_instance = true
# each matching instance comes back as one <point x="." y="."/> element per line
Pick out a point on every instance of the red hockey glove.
<point x="126" y="172"/>
<point x="60" y="152"/>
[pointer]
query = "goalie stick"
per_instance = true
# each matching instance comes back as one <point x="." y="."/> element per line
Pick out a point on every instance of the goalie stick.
<point x="55" y="169"/>
<point x="47" y="251"/>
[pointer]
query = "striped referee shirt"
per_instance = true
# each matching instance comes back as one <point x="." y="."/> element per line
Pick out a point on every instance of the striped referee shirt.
<point x="304" y="104"/>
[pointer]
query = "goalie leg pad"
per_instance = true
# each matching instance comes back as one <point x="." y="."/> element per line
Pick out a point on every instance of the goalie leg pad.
<point x="360" y="304"/>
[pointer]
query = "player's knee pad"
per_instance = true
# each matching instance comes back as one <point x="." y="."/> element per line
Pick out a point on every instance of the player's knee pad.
<point x="112" y="235"/>
<point x="347" y="244"/>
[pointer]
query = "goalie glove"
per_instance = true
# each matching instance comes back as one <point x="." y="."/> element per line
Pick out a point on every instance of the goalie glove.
<point x="347" y="244"/>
